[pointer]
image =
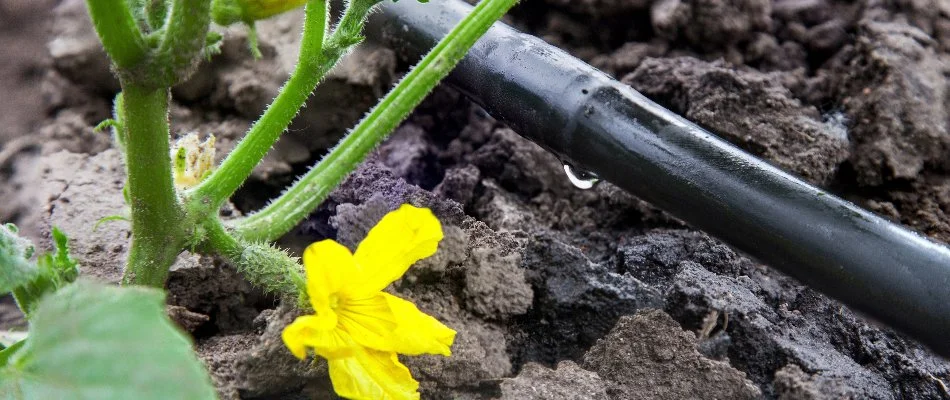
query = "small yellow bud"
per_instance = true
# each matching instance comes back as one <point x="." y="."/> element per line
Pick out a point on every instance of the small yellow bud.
<point x="192" y="161"/>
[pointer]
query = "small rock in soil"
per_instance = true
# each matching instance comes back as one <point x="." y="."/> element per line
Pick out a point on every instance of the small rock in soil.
<point x="568" y="382"/>
<point x="502" y="209"/>
<point x="354" y="221"/>
<point x="648" y="355"/>
<point x="656" y="256"/>
<point x="186" y="320"/>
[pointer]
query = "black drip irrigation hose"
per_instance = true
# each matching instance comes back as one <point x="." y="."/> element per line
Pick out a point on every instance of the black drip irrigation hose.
<point x="597" y="124"/>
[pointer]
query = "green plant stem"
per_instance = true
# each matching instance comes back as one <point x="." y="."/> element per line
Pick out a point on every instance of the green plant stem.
<point x="221" y="241"/>
<point x="349" y="31"/>
<point x="118" y="31"/>
<point x="307" y="193"/>
<point x="158" y="223"/>
<point x="183" y="40"/>
<point x="312" y="65"/>
<point x="264" y="266"/>
<point x="156" y="13"/>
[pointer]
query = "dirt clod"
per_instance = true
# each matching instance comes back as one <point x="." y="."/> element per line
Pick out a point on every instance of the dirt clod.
<point x="572" y="294"/>
<point x="648" y="355"/>
<point x="892" y="86"/>
<point x="710" y="23"/>
<point x="79" y="191"/>
<point x="187" y="320"/>
<point x="495" y="286"/>
<point x="749" y="108"/>
<point x="568" y="382"/>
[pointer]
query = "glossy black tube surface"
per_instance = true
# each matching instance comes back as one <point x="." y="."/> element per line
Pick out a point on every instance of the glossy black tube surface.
<point x="600" y="125"/>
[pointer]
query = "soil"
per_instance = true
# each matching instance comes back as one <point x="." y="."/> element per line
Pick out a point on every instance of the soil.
<point x="556" y="292"/>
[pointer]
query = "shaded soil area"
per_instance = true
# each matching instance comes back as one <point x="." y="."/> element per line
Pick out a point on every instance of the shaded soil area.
<point x="556" y="292"/>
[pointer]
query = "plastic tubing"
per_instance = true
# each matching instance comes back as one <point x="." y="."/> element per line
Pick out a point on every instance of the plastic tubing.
<point x="597" y="124"/>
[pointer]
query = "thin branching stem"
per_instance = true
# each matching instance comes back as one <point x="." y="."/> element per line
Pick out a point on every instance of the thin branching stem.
<point x="183" y="40"/>
<point x="312" y="65"/>
<point x="307" y="193"/>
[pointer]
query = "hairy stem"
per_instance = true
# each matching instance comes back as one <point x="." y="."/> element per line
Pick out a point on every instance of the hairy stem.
<point x="312" y="65"/>
<point x="349" y="31"/>
<point x="118" y="31"/>
<point x="307" y="193"/>
<point x="266" y="267"/>
<point x="183" y="40"/>
<point x="158" y="229"/>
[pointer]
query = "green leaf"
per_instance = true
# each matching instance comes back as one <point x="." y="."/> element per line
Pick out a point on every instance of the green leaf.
<point x="8" y="352"/>
<point x="94" y="341"/>
<point x="59" y="266"/>
<point x="15" y="268"/>
<point x="30" y="281"/>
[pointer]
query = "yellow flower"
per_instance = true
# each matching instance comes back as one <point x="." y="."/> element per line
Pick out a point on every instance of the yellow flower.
<point x="358" y="328"/>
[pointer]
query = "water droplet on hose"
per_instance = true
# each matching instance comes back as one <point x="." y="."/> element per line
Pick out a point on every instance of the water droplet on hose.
<point x="580" y="178"/>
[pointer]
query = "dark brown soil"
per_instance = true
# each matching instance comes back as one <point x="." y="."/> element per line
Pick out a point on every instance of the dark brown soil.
<point x="556" y="292"/>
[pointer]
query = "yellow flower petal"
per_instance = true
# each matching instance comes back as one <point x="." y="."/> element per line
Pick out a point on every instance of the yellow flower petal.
<point x="329" y="266"/>
<point x="370" y="322"/>
<point x="400" y="239"/>
<point x="387" y="323"/>
<point x="308" y="331"/>
<point x="373" y="375"/>
<point x="418" y="332"/>
<point x="295" y="335"/>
